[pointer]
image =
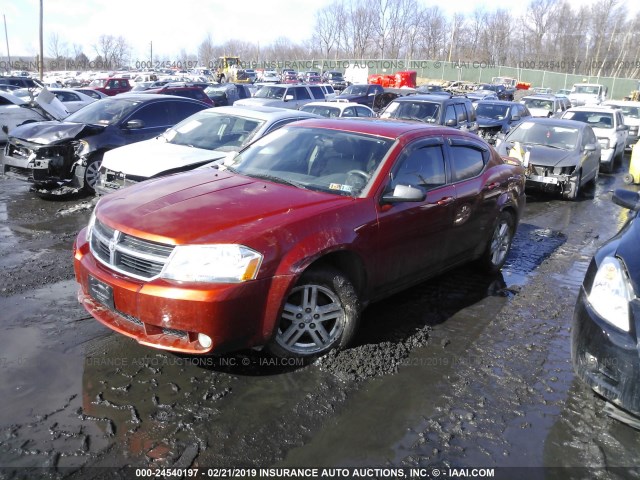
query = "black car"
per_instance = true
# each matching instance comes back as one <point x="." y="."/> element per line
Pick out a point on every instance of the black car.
<point x="369" y="94"/>
<point x="64" y="157"/>
<point x="335" y="79"/>
<point x="502" y="92"/>
<point x="605" y="338"/>
<point x="495" y="116"/>
<point x="226" y="94"/>
<point x="448" y="110"/>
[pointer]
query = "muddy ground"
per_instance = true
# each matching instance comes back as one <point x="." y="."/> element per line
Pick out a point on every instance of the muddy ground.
<point x="460" y="371"/>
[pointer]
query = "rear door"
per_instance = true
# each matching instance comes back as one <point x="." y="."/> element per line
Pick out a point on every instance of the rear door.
<point x="476" y="197"/>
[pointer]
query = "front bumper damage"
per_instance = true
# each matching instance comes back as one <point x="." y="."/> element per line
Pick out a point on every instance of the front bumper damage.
<point x="550" y="179"/>
<point x="111" y="181"/>
<point x="53" y="169"/>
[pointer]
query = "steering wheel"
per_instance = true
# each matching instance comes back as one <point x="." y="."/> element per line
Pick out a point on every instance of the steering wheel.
<point x="360" y="173"/>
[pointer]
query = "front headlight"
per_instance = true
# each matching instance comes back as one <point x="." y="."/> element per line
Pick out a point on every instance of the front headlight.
<point x="224" y="263"/>
<point x="81" y="147"/>
<point x="604" y="143"/>
<point x="611" y="293"/>
<point x="92" y="222"/>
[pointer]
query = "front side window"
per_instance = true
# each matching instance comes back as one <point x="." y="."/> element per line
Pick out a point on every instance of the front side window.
<point x="422" y="168"/>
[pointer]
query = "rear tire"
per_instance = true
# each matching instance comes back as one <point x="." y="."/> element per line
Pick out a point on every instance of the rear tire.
<point x="628" y="179"/>
<point x="319" y="314"/>
<point x="498" y="247"/>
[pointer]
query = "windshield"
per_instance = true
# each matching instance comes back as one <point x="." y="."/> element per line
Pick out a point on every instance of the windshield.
<point x="594" y="119"/>
<point x="491" y="110"/>
<point x="627" y="111"/>
<point x="589" y="89"/>
<point x="556" y="136"/>
<point x="325" y="111"/>
<point x="107" y="111"/>
<point x="213" y="131"/>
<point x="539" y="103"/>
<point x="423" y="111"/>
<point x="332" y="161"/>
<point x="276" y="93"/>
<point x="356" y="90"/>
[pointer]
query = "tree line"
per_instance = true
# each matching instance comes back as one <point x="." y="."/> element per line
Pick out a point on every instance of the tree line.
<point x="596" y="39"/>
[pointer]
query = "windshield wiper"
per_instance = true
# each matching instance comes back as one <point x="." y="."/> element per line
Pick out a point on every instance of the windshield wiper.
<point x="273" y="178"/>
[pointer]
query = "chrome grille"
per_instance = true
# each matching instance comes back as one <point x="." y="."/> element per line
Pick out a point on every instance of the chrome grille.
<point x="136" y="257"/>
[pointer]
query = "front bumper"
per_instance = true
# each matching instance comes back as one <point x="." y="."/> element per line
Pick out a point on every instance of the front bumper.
<point x="605" y="358"/>
<point x="548" y="179"/>
<point x="170" y="315"/>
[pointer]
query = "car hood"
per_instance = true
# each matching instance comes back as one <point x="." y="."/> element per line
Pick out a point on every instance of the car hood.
<point x="211" y="206"/>
<point x="551" y="157"/>
<point x="51" y="104"/>
<point x="152" y="157"/>
<point x="489" y="122"/>
<point x="52" y="133"/>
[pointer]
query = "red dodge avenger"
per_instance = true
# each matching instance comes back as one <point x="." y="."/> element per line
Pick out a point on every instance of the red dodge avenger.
<point x="284" y="245"/>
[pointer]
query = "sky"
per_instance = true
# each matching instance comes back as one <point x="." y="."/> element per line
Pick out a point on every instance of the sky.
<point x="177" y="25"/>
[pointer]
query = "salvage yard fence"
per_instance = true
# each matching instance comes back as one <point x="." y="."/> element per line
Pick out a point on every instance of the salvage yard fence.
<point x="471" y="71"/>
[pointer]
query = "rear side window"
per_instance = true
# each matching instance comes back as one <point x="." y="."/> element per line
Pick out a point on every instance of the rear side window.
<point x="317" y="92"/>
<point x="467" y="162"/>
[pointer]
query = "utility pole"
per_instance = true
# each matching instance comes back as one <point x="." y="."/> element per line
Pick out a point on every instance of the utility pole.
<point x="41" y="43"/>
<point x="151" y="54"/>
<point x="6" y="36"/>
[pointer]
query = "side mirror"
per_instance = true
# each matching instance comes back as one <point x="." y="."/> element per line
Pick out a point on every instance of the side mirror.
<point x="288" y="98"/>
<point x="404" y="193"/>
<point x="451" y="123"/>
<point x="515" y="118"/>
<point x="626" y="199"/>
<point x="134" y="124"/>
<point x="590" y="147"/>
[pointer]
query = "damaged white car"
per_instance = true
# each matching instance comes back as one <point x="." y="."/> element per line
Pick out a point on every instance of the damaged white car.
<point x="16" y="111"/>
<point x="203" y="138"/>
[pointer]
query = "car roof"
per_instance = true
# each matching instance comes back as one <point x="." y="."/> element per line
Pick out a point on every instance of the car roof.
<point x="506" y="103"/>
<point x="594" y="108"/>
<point x="556" y="122"/>
<point x="380" y="127"/>
<point x="341" y="105"/>
<point x="430" y="97"/>
<point x="625" y="103"/>
<point x="262" y="112"/>
<point x="141" y="96"/>
<point x="541" y="96"/>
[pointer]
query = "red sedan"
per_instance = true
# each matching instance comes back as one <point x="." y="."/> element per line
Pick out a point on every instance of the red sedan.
<point x="285" y="245"/>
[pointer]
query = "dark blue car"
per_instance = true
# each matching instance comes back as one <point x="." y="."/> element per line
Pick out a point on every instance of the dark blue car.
<point x="496" y="116"/>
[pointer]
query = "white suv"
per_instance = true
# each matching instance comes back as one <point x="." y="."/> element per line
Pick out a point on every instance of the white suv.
<point x="284" y="96"/>
<point x="608" y="125"/>
<point x="631" y="116"/>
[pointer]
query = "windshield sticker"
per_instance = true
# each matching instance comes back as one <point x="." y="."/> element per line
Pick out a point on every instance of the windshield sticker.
<point x="187" y="127"/>
<point x="339" y="186"/>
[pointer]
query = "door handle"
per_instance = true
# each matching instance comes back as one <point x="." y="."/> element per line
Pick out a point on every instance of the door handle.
<point x="491" y="186"/>
<point x="445" y="201"/>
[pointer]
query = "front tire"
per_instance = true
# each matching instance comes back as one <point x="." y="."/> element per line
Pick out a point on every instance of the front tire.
<point x="574" y="188"/>
<point x="91" y="174"/>
<point x="320" y="313"/>
<point x="498" y="248"/>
